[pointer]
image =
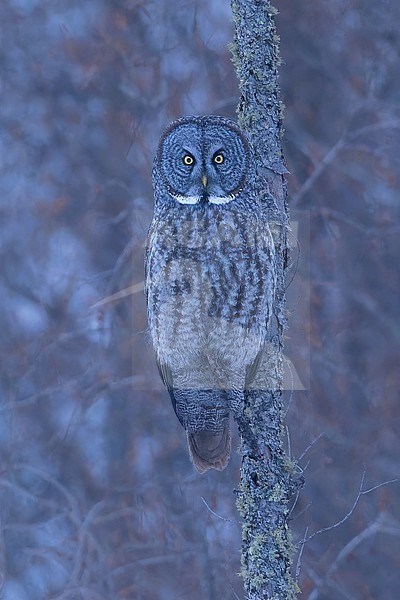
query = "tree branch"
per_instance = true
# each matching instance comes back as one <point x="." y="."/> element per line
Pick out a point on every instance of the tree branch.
<point x="267" y="476"/>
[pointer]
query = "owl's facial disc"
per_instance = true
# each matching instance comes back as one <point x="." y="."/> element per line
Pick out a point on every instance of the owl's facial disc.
<point x="203" y="162"/>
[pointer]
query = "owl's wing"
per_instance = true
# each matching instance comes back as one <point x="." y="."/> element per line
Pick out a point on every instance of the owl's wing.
<point x="166" y="376"/>
<point x="252" y="369"/>
<point x="146" y="263"/>
<point x="147" y="253"/>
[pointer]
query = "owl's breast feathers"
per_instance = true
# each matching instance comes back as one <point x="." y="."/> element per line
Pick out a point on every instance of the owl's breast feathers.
<point x="209" y="288"/>
<point x="208" y="271"/>
<point x="209" y="277"/>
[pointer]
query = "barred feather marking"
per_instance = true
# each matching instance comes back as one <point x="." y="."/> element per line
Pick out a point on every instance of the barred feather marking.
<point x="209" y="280"/>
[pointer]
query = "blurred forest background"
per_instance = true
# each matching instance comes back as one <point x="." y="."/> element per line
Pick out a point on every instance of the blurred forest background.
<point x="98" y="499"/>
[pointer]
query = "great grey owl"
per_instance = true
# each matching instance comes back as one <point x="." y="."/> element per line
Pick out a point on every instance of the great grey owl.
<point x="209" y="278"/>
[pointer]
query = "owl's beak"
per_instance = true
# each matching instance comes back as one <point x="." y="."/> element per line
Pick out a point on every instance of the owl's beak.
<point x="204" y="180"/>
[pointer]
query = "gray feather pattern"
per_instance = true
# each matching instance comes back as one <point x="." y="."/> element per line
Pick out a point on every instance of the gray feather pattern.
<point x="209" y="279"/>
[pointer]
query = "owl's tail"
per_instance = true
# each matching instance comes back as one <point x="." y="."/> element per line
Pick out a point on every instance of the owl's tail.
<point x="210" y="450"/>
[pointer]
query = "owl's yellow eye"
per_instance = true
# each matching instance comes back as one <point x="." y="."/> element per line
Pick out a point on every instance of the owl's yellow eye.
<point x="188" y="160"/>
<point x="219" y="158"/>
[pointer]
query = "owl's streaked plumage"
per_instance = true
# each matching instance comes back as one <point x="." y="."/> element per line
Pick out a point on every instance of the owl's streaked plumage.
<point x="209" y="278"/>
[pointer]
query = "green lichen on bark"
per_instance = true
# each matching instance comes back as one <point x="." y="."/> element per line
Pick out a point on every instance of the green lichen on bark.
<point x="255" y="54"/>
<point x="267" y="476"/>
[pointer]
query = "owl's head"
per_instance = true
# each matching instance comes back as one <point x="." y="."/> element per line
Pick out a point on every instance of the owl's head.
<point x="203" y="160"/>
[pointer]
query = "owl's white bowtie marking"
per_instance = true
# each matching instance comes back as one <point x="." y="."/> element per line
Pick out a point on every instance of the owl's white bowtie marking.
<point x="212" y="199"/>
<point x="221" y="199"/>
<point x="187" y="199"/>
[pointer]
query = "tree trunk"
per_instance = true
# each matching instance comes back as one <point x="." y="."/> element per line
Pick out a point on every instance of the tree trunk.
<point x="267" y="477"/>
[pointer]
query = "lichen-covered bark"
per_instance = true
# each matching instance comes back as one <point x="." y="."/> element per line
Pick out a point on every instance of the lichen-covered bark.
<point x="267" y="481"/>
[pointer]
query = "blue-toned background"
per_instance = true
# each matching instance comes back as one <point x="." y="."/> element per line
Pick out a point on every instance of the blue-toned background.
<point x="98" y="499"/>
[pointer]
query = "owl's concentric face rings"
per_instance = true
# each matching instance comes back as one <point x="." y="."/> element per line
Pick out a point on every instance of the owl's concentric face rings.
<point x="203" y="159"/>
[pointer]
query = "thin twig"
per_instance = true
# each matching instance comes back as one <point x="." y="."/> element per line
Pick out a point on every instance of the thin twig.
<point x="328" y="158"/>
<point x="347" y="516"/>
<point x="233" y="591"/>
<point x="329" y="212"/>
<point x="352" y="544"/>
<point x="295" y="262"/>
<point x="302" y="511"/>
<point x="367" y="129"/>
<point x="317" y="581"/>
<point x="310" y="446"/>
<point x="380" y="485"/>
<point x="287" y="362"/>
<point x="360" y="493"/>
<point x="289" y="450"/>
<point x="294" y="504"/>
<point x="344" y="141"/>
<point x="214" y="513"/>
<point x="298" y="564"/>
<point x="132" y="289"/>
